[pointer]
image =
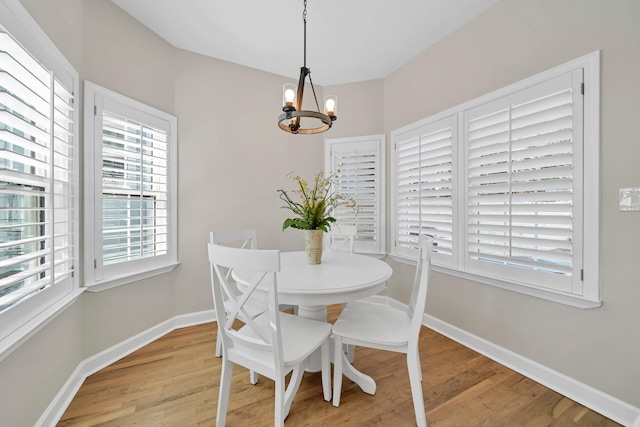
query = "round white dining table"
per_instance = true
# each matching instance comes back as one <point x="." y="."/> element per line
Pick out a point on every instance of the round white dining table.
<point x="340" y="277"/>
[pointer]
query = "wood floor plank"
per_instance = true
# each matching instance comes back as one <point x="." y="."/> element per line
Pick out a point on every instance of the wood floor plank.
<point x="173" y="382"/>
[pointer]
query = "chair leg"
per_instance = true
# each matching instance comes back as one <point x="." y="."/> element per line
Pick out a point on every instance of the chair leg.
<point x="337" y="370"/>
<point x="225" y="388"/>
<point x="253" y="377"/>
<point x="218" y="347"/>
<point x="418" y="359"/>
<point x="292" y="388"/>
<point x="279" y="413"/>
<point x="415" y="379"/>
<point x="326" y="370"/>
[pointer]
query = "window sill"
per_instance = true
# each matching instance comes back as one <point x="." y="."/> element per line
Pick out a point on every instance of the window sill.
<point x="29" y="329"/>
<point x="129" y="278"/>
<point x="561" y="298"/>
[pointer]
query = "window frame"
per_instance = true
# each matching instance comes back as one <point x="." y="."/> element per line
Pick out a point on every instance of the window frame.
<point x="23" y="320"/>
<point x="590" y="293"/>
<point x="98" y="277"/>
<point x="378" y="143"/>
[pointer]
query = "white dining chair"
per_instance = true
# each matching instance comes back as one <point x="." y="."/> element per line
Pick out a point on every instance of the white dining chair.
<point x="244" y="239"/>
<point x="272" y="344"/>
<point x="341" y="237"/>
<point x="373" y="324"/>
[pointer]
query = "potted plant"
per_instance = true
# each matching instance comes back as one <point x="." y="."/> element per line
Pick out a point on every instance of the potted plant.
<point x="313" y="207"/>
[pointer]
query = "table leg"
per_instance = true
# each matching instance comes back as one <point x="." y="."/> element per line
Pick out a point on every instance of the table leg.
<point x="365" y="382"/>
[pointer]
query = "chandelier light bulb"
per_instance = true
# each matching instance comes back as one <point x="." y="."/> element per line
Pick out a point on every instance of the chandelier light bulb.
<point x="289" y="96"/>
<point x="330" y="106"/>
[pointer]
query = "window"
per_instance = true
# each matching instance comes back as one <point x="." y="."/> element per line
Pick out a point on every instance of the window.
<point x="523" y="191"/>
<point x="424" y="191"/>
<point x="500" y="183"/>
<point x="130" y="189"/>
<point x="359" y="167"/>
<point x="38" y="182"/>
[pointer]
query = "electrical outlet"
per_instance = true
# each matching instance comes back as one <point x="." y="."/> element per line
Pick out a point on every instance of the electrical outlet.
<point x="630" y="199"/>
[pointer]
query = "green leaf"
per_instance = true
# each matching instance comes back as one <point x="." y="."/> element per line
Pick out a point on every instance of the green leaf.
<point x="298" y="223"/>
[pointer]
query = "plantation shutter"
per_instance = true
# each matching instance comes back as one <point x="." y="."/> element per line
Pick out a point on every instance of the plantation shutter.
<point x="134" y="187"/>
<point x="523" y="155"/>
<point x="424" y="188"/>
<point x="356" y="162"/>
<point x="36" y="176"/>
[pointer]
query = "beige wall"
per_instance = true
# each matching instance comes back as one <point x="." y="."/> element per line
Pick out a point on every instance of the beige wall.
<point x="232" y="158"/>
<point x="32" y="374"/>
<point x="360" y="109"/>
<point x="509" y="42"/>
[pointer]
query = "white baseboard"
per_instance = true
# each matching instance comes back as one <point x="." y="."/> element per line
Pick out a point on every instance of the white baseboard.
<point x="588" y="396"/>
<point x="93" y="364"/>
<point x="609" y="406"/>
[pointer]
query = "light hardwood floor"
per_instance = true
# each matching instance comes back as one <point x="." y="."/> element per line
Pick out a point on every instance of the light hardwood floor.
<point x="174" y="382"/>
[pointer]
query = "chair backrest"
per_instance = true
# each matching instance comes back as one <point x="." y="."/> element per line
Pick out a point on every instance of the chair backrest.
<point x="341" y="237"/>
<point x="265" y="264"/>
<point x="242" y="238"/>
<point x="418" y="300"/>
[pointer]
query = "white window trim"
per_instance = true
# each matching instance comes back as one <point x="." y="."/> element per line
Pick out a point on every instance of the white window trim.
<point x="380" y="140"/>
<point x="591" y="184"/>
<point x="92" y="175"/>
<point x="25" y="319"/>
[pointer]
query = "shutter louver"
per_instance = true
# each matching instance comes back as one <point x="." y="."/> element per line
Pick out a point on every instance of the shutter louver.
<point x="357" y="166"/>
<point x="424" y="189"/>
<point x="134" y="190"/>
<point x="36" y="176"/>
<point x="520" y="180"/>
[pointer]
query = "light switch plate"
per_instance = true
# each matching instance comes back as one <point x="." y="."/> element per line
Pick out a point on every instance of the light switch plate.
<point x="630" y="199"/>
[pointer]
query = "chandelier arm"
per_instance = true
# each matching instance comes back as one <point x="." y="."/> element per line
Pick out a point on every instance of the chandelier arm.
<point x="304" y="72"/>
<point x="313" y="89"/>
<point x="295" y="121"/>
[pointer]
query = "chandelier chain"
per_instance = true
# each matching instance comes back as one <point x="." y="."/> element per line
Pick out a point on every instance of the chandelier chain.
<point x="304" y="20"/>
<point x="304" y="12"/>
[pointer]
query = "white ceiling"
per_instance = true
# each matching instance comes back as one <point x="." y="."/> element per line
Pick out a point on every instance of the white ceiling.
<point x="347" y="40"/>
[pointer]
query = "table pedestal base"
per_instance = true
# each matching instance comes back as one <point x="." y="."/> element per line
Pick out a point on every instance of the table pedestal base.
<point x="365" y="382"/>
<point x="319" y="312"/>
<point x="315" y="312"/>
